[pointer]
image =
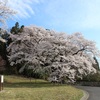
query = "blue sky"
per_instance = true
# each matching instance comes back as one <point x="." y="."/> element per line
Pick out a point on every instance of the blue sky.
<point x="67" y="16"/>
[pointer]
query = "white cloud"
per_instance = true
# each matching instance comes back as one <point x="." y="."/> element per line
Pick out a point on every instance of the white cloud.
<point x="24" y="8"/>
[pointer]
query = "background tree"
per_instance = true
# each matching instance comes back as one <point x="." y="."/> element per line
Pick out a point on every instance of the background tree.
<point x="17" y="29"/>
<point x="5" y="11"/>
<point x="96" y="65"/>
<point x="3" y="52"/>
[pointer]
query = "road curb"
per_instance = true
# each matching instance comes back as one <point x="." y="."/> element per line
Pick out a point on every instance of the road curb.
<point x="86" y="95"/>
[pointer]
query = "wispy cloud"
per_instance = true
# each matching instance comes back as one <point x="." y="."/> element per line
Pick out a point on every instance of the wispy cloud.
<point x="60" y="14"/>
<point x="24" y="8"/>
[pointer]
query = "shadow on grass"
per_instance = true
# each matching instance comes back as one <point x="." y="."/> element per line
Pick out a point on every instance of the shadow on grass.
<point x="31" y="85"/>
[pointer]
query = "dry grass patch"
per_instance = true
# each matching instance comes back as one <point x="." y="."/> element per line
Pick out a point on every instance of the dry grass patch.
<point x="19" y="88"/>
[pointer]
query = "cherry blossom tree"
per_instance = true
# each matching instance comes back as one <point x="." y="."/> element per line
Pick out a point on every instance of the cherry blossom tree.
<point x="61" y="56"/>
<point x="5" y="11"/>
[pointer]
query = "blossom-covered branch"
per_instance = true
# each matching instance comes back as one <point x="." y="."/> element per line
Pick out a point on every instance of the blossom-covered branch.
<point x="55" y="54"/>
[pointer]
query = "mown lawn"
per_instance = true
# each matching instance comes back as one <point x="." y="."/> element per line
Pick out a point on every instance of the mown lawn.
<point x="19" y="88"/>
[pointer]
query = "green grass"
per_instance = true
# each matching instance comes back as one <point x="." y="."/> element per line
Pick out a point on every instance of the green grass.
<point x="19" y="88"/>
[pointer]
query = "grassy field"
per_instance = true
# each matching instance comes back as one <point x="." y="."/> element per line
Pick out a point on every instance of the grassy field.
<point x="19" y="88"/>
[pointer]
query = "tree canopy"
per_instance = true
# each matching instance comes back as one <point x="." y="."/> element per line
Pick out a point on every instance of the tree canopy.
<point x="17" y="29"/>
<point x="5" y="11"/>
<point x="60" y="56"/>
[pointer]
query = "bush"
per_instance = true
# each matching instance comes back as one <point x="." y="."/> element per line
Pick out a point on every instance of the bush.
<point x="91" y="78"/>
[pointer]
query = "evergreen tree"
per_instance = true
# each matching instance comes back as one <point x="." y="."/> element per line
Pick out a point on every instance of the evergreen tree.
<point x="3" y="51"/>
<point x="17" y="29"/>
<point x="96" y="65"/>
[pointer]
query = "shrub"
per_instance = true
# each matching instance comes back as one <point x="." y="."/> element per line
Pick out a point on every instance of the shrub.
<point x="91" y="78"/>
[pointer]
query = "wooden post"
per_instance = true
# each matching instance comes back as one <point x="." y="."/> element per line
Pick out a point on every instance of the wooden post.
<point x="1" y="82"/>
<point x="2" y="85"/>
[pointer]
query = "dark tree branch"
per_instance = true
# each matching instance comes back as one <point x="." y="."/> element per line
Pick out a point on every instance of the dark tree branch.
<point x="79" y="51"/>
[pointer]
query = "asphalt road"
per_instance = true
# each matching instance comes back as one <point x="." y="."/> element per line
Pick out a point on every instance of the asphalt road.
<point x="94" y="92"/>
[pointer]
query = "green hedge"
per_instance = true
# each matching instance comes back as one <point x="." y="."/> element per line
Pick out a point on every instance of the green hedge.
<point x="91" y="78"/>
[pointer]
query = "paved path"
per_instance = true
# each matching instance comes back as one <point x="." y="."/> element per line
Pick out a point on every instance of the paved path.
<point x="94" y="92"/>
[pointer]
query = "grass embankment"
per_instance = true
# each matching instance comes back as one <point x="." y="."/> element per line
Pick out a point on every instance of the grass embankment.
<point x="19" y="88"/>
